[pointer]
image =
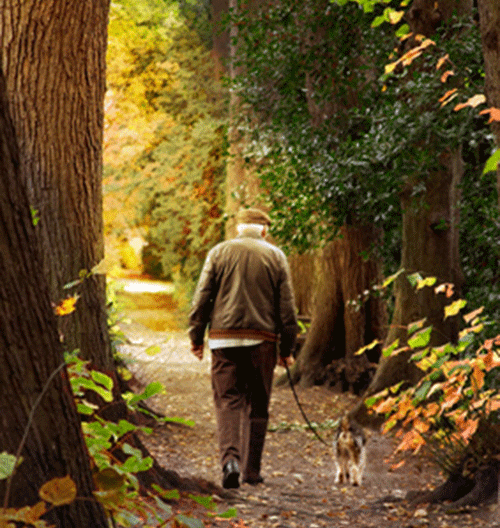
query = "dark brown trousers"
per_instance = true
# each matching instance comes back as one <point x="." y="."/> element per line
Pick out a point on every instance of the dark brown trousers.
<point x="242" y="380"/>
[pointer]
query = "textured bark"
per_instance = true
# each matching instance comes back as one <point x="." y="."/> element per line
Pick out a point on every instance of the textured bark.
<point x="304" y="272"/>
<point x="338" y="329"/>
<point x="489" y="18"/>
<point x="30" y="352"/>
<point x="220" y="39"/>
<point x="430" y="243"/>
<point x="53" y="58"/>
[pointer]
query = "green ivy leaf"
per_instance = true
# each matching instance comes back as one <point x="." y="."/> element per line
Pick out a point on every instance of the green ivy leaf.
<point x="228" y="514"/>
<point x="207" y="502"/>
<point x="492" y="162"/>
<point x="189" y="522"/>
<point x="152" y="389"/>
<point x="390" y="349"/>
<point x="420" y="339"/>
<point x="101" y="378"/>
<point x="414" y="279"/>
<point x="422" y="391"/>
<point x="7" y="465"/>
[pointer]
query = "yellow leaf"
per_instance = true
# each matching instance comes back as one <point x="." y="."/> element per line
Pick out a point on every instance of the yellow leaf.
<point x="362" y="350"/>
<point x="453" y="308"/>
<point x="389" y="68"/>
<point x="66" y="306"/>
<point x="395" y="16"/>
<point x="59" y="491"/>
<point x="428" y="281"/>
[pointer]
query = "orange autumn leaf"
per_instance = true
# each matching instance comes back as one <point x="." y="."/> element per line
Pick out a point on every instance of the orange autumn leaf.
<point x="396" y="466"/>
<point x="491" y="360"/>
<point x="469" y="428"/>
<point x="446" y="288"/>
<point x="441" y="61"/>
<point x="493" y="405"/>
<point x="446" y="75"/>
<point x="494" y="114"/>
<point x="477" y="378"/>
<point x="403" y="407"/>
<point x="411" y="440"/>
<point x="66" y="306"/>
<point x="448" y="96"/>
<point x="384" y="405"/>
<point x="451" y="396"/>
<point x="472" y="315"/>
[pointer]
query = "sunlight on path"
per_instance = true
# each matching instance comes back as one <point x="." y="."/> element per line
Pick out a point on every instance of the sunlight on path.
<point x="144" y="286"/>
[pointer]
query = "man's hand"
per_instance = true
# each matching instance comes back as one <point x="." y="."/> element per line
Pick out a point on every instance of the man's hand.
<point x="197" y="350"/>
<point x="286" y="361"/>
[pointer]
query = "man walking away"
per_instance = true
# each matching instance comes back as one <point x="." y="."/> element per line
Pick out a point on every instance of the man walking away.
<point x="244" y="296"/>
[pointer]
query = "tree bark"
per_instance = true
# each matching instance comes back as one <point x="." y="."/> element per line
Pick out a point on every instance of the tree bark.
<point x="31" y="360"/>
<point x="430" y="243"/>
<point x="489" y="18"/>
<point x="53" y="57"/>
<point x="339" y="328"/>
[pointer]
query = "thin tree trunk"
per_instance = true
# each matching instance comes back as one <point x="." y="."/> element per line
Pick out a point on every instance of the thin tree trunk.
<point x="31" y="361"/>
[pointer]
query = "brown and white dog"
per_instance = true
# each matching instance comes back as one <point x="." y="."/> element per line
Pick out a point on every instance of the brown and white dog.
<point x="350" y="452"/>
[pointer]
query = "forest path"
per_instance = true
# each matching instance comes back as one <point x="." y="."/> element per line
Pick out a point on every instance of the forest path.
<point x="299" y="488"/>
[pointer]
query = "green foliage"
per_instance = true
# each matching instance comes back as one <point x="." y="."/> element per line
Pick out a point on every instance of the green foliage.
<point x="384" y="128"/>
<point x="165" y="136"/>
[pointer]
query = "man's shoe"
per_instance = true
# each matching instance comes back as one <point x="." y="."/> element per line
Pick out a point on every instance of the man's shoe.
<point x="231" y="475"/>
<point x="253" y="481"/>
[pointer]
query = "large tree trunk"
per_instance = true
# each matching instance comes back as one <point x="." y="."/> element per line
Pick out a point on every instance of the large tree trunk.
<point x="430" y="238"/>
<point x="339" y="328"/>
<point x="489" y="17"/>
<point x="53" y="57"/>
<point x="31" y="361"/>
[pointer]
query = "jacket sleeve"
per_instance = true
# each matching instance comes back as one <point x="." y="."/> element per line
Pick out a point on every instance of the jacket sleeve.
<point x="203" y="301"/>
<point x="288" y="328"/>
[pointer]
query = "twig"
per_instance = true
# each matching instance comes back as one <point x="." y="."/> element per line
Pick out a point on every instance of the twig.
<point x="26" y="431"/>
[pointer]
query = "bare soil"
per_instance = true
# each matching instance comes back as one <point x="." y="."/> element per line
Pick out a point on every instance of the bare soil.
<point x="299" y="488"/>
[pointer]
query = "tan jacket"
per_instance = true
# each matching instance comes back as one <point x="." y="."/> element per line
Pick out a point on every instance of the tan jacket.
<point x="245" y="291"/>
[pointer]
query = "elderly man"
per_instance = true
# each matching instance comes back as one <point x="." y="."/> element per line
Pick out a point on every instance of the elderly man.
<point x="244" y="295"/>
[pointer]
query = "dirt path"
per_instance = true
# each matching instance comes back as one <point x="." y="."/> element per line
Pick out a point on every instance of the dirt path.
<point x="299" y="489"/>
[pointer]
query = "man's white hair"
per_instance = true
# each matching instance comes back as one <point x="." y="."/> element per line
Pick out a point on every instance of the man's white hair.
<point x="250" y="227"/>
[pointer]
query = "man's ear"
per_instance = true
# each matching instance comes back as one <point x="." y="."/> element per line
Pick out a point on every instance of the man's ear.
<point x="264" y="231"/>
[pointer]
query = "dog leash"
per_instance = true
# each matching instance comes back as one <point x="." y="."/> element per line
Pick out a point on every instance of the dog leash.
<point x="300" y="406"/>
